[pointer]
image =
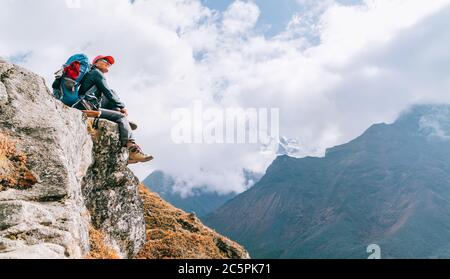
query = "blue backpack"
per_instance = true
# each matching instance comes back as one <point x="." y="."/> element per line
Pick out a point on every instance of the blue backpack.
<point x="68" y="79"/>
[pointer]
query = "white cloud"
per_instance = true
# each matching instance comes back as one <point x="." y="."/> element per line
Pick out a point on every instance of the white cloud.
<point x="240" y="17"/>
<point x="371" y="61"/>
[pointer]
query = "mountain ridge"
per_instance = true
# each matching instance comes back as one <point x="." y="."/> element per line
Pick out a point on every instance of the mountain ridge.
<point x="383" y="187"/>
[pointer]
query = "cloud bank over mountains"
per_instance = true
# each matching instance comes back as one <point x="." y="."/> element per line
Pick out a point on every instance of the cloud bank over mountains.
<point x="334" y="69"/>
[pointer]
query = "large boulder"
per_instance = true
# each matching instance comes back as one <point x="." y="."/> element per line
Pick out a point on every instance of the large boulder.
<point x="48" y="218"/>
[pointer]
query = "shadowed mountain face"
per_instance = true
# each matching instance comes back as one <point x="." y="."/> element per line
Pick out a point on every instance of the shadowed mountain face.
<point x="390" y="186"/>
<point x="200" y="201"/>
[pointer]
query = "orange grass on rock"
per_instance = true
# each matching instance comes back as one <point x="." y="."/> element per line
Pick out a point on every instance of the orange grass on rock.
<point x="14" y="172"/>
<point x="175" y="234"/>
<point x="99" y="250"/>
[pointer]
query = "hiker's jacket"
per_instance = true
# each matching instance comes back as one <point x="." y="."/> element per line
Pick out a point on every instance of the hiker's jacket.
<point x="94" y="87"/>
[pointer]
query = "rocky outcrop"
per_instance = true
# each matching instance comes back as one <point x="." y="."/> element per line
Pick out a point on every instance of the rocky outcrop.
<point x="48" y="219"/>
<point x="76" y="182"/>
<point x="111" y="192"/>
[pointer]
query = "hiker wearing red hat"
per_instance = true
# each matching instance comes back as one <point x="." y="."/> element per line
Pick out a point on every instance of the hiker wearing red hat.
<point x="96" y="95"/>
<point x="108" y="59"/>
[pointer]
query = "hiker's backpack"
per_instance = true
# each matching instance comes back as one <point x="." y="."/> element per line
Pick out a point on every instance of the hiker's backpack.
<point x="68" y="79"/>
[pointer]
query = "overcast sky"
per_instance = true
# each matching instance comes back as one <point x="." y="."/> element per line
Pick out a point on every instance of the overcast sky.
<point x="332" y="67"/>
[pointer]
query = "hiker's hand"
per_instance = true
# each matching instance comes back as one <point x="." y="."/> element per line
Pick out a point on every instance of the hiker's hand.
<point x="124" y="111"/>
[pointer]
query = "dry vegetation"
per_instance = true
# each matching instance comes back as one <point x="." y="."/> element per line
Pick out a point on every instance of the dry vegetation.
<point x="14" y="172"/>
<point x="171" y="234"/>
<point x="175" y="234"/>
<point x="99" y="249"/>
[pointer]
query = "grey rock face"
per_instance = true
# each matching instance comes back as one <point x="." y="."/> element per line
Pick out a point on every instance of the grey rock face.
<point x="111" y="192"/>
<point x="48" y="220"/>
<point x="77" y="182"/>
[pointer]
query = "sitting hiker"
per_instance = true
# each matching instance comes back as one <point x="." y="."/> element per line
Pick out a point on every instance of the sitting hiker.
<point x="96" y="95"/>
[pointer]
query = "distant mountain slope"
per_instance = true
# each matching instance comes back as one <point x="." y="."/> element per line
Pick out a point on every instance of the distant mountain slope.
<point x="201" y="201"/>
<point x="390" y="186"/>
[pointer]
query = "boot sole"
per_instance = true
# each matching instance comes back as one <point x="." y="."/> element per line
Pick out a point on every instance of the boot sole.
<point x="133" y="126"/>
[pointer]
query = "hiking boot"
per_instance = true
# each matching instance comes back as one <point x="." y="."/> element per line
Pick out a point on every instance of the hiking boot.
<point x="133" y="125"/>
<point x="137" y="156"/>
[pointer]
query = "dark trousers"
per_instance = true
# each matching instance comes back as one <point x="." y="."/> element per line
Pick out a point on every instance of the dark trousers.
<point x="121" y="120"/>
<point x="111" y="113"/>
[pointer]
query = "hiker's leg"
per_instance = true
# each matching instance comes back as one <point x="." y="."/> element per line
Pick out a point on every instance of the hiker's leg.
<point x="136" y="155"/>
<point x="106" y="104"/>
<point x="124" y="126"/>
